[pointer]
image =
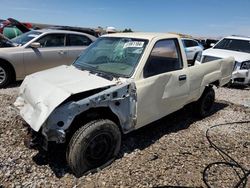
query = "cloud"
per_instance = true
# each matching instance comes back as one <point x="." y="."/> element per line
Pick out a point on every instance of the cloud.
<point x="244" y="30"/>
<point x="98" y="8"/>
<point x="24" y="8"/>
<point x="230" y="28"/>
<point x="44" y="10"/>
<point x="242" y="18"/>
<point x="225" y="25"/>
<point x="40" y="10"/>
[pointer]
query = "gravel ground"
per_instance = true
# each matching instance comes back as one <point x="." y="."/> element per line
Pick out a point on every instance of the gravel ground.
<point x="239" y="96"/>
<point x="173" y="151"/>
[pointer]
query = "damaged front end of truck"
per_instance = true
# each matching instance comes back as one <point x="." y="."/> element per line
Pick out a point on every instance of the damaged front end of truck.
<point x="52" y="113"/>
<point x="119" y="99"/>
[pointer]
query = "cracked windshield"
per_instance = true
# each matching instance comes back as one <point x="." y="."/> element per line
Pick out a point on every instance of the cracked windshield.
<point x="117" y="56"/>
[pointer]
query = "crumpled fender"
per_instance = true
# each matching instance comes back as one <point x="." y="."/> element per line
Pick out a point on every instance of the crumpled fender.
<point x="121" y="99"/>
<point x="41" y="93"/>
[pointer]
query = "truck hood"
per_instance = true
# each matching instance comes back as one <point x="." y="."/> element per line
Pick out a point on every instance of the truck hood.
<point x="42" y="92"/>
<point x="238" y="56"/>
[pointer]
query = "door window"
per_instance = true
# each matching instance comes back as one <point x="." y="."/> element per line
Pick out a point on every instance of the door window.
<point x="78" y="40"/>
<point x="190" y="43"/>
<point x="164" y="57"/>
<point x="52" y="40"/>
<point x="194" y="43"/>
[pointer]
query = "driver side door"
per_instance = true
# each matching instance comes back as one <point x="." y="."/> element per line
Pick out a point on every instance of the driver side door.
<point x="50" y="54"/>
<point x="164" y="87"/>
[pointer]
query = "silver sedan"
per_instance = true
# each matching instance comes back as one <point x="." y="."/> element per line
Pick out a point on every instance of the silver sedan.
<point x="38" y="50"/>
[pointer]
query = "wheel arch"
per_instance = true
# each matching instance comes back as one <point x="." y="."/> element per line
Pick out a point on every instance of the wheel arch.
<point x="10" y="66"/>
<point x="204" y="88"/>
<point x="206" y="84"/>
<point x="90" y="115"/>
<point x="215" y="83"/>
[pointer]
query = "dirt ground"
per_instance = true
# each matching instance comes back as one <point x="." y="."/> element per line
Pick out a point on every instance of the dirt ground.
<point x="173" y="151"/>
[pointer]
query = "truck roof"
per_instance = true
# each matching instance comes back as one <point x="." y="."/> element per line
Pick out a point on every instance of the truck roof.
<point x="148" y="36"/>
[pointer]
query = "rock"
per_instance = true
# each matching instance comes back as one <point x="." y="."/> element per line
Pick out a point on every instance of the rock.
<point x="153" y="157"/>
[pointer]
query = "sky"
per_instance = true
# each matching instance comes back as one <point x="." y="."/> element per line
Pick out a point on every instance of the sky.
<point x="214" y="18"/>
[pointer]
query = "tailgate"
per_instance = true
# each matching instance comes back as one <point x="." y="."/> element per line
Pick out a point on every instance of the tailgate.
<point x="226" y="68"/>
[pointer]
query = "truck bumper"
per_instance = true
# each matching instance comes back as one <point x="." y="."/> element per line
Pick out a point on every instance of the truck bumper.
<point x="241" y="77"/>
<point x="35" y="140"/>
<point x="39" y="140"/>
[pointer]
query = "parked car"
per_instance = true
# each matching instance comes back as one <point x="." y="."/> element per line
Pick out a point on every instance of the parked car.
<point x="192" y="49"/>
<point x="12" y="28"/>
<point x="208" y="43"/>
<point x="122" y="82"/>
<point x="237" y="47"/>
<point x="38" y="50"/>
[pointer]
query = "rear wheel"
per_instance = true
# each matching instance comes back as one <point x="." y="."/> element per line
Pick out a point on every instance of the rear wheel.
<point x="93" y="146"/>
<point x="204" y="105"/>
<point x="5" y="76"/>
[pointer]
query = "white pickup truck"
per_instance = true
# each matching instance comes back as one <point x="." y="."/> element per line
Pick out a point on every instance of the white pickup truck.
<point x="120" y="83"/>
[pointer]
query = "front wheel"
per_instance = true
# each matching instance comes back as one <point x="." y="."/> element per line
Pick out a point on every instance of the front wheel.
<point x="204" y="105"/>
<point x="94" y="146"/>
<point x="5" y="77"/>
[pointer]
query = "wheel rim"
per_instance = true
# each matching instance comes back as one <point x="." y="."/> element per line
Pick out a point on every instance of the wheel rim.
<point x="99" y="149"/>
<point x="2" y="75"/>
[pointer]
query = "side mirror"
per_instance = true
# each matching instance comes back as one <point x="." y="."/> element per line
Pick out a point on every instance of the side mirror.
<point x="35" y="45"/>
<point x="212" y="44"/>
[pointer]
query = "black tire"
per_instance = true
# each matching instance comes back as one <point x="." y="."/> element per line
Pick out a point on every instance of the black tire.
<point x="93" y="146"/>
<point x="204" y="105"/>
<point x="5" y="75"/>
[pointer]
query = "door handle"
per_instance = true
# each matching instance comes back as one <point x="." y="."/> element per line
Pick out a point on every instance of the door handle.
<point x="61" y="52"/>
<point x="182" y="77"/>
